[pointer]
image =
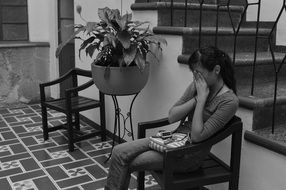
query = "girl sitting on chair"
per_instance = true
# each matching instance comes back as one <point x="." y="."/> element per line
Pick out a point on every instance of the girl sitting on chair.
<point x="209" y="102"/>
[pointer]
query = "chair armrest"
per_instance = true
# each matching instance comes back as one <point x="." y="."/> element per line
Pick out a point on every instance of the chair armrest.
<point x="82" y="72"/>
<point x="79" y="88"/>
<point x="233" y="127"/>
<point x="58" y="80"/>
<point x="143" y="126"/>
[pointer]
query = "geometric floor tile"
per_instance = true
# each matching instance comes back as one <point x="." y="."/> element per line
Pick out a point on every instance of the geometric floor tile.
<point x="28" y="162"/>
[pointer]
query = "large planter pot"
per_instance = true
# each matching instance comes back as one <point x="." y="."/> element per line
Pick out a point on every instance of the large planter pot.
<point x="119" y="81"/>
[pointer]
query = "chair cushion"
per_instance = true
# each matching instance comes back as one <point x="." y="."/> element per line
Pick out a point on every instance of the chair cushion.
<point x="79" y="103"/>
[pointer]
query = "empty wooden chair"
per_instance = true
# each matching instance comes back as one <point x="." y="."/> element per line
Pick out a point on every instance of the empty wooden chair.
<point x="71" y="104"/>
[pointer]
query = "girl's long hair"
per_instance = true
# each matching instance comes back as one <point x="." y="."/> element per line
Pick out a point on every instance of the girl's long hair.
<point x="209" y="57"/>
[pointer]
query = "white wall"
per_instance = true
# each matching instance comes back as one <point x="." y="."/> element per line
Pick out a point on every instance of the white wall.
<point x="53" y="39"/>
<point x="39" y="20"/>
<point x="43" y="28"/>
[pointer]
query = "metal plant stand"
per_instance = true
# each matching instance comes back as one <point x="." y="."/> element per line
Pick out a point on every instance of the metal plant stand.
<point x="117" y="122"/>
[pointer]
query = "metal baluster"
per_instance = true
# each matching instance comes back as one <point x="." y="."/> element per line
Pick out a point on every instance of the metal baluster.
<point x="274" y="63"/>
<point x="255" y="47"/>
<point x="186" y="13"/>
<point x="232" y="25"/>
<point x="217" y="19"/>
<point x="172" y="7"/>
<point x="237" y="31"/>
<point x="200" y="26"/>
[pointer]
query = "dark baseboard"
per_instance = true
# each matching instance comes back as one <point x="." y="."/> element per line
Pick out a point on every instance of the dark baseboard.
<point x="259" y="140"/>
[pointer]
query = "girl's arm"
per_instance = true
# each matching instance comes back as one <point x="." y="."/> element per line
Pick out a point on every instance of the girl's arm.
<point x="178" y="112"/>
<point x="225" y="111"/>
<point x="185" y="104"/>
<point x="203" y="92"/>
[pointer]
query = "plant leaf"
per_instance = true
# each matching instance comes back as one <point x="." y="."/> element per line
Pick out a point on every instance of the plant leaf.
<point x="115" y="14"/>
<point x="85" y="43"/>
<point x="155" y="39"/>
<point x="91" y="48"/>
<point x="91" y="26"/>
<point x="110" y="39"/>
<point x="116" y="25"/>
<point x="102" y="14"/>
<point x="140" y="61"/>
<point x="60" y="47"/>
<point x="106" y="14"/>
<point x="124" y="21"/>
<point x="124" y="37"/>
<point x="129" y="54"/>
<point x="127" y="17"/>
<point x="98" y="57"/>
<point x="120" y="62"/>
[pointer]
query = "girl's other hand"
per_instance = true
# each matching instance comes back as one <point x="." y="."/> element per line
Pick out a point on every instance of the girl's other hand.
<point x="201" y="87"/>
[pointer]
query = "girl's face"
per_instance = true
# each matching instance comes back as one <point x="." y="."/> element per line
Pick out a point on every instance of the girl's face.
<point x="210" y="76"/>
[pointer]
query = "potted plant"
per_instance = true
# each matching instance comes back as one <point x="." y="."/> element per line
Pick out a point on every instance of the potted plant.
<point x="124" y="50"/>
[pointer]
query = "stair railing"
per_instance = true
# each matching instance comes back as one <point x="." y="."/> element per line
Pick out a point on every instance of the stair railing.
<point x="236" y="31"/>
<point x="274" y="62"/>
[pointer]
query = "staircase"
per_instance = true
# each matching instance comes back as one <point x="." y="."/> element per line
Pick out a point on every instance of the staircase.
<point x="261" y="169"/>
<point x="173" y="22"/>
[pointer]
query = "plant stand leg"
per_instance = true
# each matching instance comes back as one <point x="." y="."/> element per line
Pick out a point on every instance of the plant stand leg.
<point x="117" y="123"/>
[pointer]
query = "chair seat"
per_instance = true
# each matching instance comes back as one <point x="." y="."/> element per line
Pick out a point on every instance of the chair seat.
<point x="77" y="104"/>
<point x="211" y="172"/>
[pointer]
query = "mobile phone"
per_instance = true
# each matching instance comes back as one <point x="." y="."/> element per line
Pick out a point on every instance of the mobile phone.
<point x="165" y="134"/>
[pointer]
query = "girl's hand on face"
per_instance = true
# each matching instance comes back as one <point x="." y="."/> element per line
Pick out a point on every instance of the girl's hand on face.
<point x="201" y="87"/>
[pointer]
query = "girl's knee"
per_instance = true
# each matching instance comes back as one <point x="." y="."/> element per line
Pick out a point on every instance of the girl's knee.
<point x="119" y="154"/>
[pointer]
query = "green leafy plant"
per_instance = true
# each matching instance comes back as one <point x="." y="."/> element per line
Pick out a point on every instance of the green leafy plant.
<point x="118" y="40"/>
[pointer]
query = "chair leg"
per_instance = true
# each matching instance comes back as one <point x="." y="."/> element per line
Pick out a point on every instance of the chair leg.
<point x="233" y="184"/>
<point x="141" y="180"/>
<point x="76" y="120"/>
<point x="102" y="117"/>
<point x="70" y="132"/>
<point x="45" y="123"/>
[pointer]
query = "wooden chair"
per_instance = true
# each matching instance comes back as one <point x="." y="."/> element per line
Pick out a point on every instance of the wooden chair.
<point x="213" y="170"/>
<point x="71" y="105"/>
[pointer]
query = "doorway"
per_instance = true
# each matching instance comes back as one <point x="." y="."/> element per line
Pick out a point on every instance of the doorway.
<point x="65" y="30"/>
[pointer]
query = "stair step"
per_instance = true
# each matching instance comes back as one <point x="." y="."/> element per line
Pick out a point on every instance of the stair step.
<point x="222" y="31"/>
<point x="150" y="1"/>
<point x="246" y="58"/>
<point x="209" y="14"/>
<point x="232" y="2"/>
<point x="274" y="142"/>
<point x="263" y="90"/>
<point x="264" y="73"/>
<point x="262" y="110"/>
<point x="245" y="40"/>
<point x="181" y="6"/>
<point x="244" y="43"/>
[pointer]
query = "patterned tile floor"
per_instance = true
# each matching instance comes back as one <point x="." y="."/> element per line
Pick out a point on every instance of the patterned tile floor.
<point x="27" y="162"/>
